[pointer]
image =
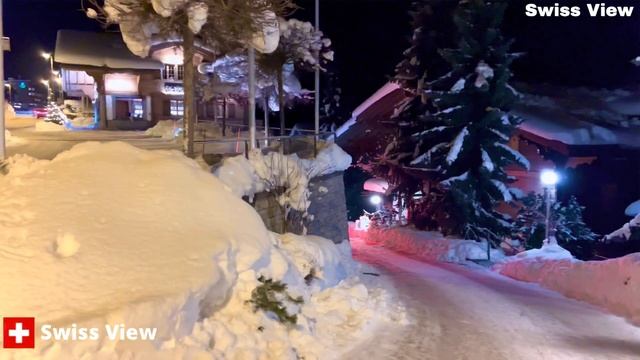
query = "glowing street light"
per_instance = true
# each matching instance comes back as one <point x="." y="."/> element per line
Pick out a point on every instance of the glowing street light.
<point x="376" y="200"/>
<point x="549" y="179"/>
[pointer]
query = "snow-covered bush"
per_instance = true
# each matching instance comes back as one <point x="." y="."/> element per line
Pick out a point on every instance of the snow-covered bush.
<point x="272" y="297"/>
<point x="570" y="230"/>
<point x="286" y="175"/>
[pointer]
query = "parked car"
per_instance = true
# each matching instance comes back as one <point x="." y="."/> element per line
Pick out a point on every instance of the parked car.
<point x="39" y="113"/>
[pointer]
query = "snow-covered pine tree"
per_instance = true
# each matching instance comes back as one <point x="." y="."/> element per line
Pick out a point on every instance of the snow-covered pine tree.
<point x="570" y="230"/>
<point x="54" y="114"/>
<point x="570" y="226"/>
<point x="432" y="25"/>
<point x="466" y="138"/>
<point x="433" y="29"/>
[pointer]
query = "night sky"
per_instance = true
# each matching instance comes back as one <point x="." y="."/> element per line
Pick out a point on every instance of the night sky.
<point x="370" y="35"/>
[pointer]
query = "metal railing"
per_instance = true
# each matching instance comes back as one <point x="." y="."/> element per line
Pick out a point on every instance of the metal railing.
<point x="299" y="141"/>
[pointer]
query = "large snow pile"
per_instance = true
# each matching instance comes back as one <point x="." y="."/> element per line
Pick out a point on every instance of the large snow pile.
<point x="427" y="245"/>
<point x="166" y="129"/>
<point x="9" y="112"/>
<point x="612" y="284"/>
<point x="260" y="172"/>
<point x="107" y="233"/>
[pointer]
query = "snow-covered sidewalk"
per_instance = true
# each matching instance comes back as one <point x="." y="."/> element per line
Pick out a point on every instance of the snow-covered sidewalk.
<point x="463" y="312"/>
<point x="46" y="145"/>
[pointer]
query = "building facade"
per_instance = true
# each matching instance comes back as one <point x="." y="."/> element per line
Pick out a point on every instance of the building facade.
<point x="101" y="78"/>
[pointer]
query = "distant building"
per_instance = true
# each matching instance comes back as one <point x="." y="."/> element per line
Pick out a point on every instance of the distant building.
<point x="97" y="68"/>
<point x="23" y="96"/>
<point x="591" y="136"/>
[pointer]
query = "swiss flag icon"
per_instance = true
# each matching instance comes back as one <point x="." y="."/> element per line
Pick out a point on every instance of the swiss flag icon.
<point x="18" y="333"/>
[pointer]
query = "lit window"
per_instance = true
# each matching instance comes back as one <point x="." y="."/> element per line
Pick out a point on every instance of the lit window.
<point x="177" y="108"/>
<point x="138" y="111"/>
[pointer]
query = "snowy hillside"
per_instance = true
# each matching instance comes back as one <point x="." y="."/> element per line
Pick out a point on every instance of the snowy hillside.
<point x="107" y="233"/>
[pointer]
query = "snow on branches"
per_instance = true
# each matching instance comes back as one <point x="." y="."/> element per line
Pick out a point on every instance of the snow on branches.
<point x="301" y="41"/>
<point x="142" y="22"/>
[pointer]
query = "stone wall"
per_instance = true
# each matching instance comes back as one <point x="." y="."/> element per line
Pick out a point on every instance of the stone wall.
<point x="328" y="210"/>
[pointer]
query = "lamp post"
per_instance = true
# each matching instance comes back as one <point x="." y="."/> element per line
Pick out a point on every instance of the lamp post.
<point x="47" y="56"/>
<point x="549" y="179"/>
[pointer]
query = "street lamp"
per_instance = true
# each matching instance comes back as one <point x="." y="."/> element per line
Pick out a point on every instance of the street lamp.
<point x="376" y="200"/>
<point x="49" y="57"/>
<point x="549" y="179"/>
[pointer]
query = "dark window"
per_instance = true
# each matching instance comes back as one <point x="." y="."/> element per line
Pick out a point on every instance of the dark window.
<point x="169" y="72"/>
<point x="180" y="72"/>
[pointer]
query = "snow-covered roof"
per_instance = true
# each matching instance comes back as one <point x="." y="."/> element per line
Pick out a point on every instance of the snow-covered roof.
<point x="572" y="116"/>
<point x="99" y="50"/>
<point x="381" y="93"/>
<point x="553" y="124"/>
<point x="385" y="90"/>
<point x="580" y="116"/>
<point x="633" y="209"/>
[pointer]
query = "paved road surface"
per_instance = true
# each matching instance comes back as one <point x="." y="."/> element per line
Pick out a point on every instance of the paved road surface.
<point x="471" y="313"/>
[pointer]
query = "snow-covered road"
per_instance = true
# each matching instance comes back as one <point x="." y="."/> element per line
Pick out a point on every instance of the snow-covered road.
<point x="472" y="313"/>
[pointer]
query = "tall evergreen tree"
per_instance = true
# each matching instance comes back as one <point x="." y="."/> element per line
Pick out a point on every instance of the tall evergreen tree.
<point x="465" y="141"/>
<point x="433" y="29"/>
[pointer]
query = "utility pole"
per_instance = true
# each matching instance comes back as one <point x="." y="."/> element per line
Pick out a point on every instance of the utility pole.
<point x="3" y="154"/>
<point x="317" y="75"/>
<point x="252" y="97"/>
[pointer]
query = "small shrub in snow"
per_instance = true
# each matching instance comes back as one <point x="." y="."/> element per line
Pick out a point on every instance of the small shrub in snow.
<point x="570" y="230"/>
<point x="272" y="297"/>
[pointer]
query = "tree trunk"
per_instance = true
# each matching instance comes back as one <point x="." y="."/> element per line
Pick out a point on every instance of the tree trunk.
<point x="281" y="101"/>
<point x="265" y="105"/>
<point x="189" y="91"/>
<point x="102" y="102"/>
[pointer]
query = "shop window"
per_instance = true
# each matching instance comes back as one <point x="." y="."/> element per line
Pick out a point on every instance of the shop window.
<point x="176" y="107"/>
